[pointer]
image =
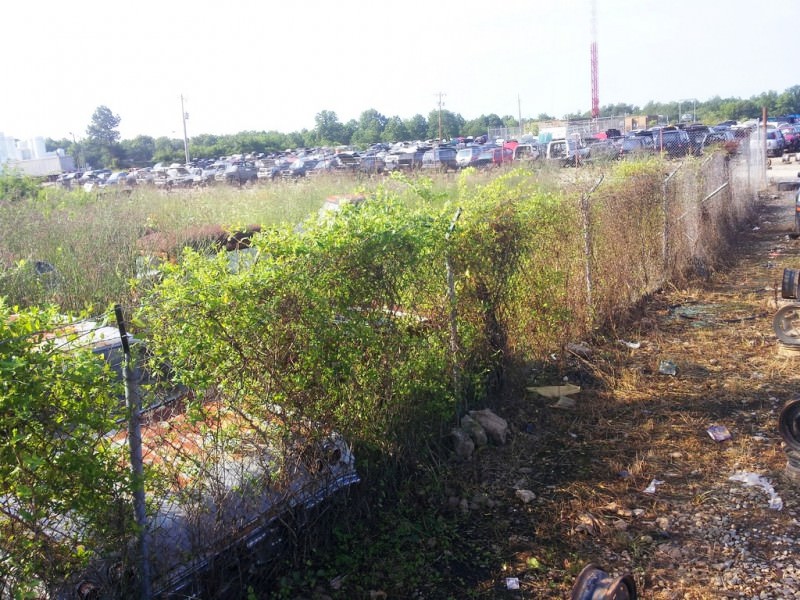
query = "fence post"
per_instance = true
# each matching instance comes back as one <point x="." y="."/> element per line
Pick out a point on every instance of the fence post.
<point x="133" y="403"/>
<point x="451" y="298"/>
<point x="665" y="241"/>
<point x="587" y="244"/>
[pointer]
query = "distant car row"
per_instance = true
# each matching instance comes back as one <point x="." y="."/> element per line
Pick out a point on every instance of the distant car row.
<point x="672" y="142"/>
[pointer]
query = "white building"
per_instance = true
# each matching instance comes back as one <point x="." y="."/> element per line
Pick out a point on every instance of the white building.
<point x="31" y="157"/>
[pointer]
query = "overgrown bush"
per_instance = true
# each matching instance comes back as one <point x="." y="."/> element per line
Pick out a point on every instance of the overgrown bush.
<point x="65" y="486"/>
<point x="15" y="186"/>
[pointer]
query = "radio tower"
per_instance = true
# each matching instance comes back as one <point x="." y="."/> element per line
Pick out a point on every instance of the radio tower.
<point x="595" y="91"/>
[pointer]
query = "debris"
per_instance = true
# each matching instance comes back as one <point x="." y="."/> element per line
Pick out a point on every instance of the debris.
<point x="564" y="403"/>
<point x="667" y="367"/>
<point x="512" y="583"/>
<point x="593" y="582"/>
<point x="631" y="345"/>
<point x="756" y="480"/>
<point x="581" y="350"/>
<point x="651" y="489"/>
<point x="555" y="391"/>
<point x="719" y="433"/>
<point x="526" y="496"/>
<point x="588" y="523"/>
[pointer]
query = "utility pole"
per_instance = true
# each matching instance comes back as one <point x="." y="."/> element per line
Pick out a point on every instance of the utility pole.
<point x="519" y="110"/>
<point x="441" y="95"/>
<point x="185" y="139"/>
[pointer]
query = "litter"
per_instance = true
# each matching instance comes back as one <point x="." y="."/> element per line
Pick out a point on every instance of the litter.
<point x="756" y="480"/>
<point x="651" y="489"/>
<point x="512" y="583"/>
<point x="631" y="345"/>
<point x="558" y="391"/>
<point x="719" y="433"/>
<point x="564" y="403"/>
<point x="555" y="391"/>
<point x="667" y="367"/>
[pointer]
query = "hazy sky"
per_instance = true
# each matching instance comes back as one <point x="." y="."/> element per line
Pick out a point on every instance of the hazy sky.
<point x="267" y="65"/>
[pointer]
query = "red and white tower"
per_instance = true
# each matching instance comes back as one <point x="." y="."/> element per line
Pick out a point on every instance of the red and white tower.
<point x="595" y="89"/>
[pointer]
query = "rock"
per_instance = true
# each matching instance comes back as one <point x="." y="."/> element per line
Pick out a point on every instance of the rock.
<point x="496" y="428"/>
<point x="581" y="349"/>
<point x="526" y="496"/>
<point x="463" y="446"/>
<point x="474" y="429"/>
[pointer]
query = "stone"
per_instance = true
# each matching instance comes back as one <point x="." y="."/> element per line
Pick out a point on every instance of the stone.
<point x="463" y="446"/>
<point x="475" y="430"/>
<point x="496" y="427"/>
<point x="526" y="496"/>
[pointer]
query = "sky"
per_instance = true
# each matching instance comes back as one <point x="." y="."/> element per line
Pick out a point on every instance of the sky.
<point x="261" y="65"/>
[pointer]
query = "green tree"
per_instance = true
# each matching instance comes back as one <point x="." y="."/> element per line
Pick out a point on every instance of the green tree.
<point x="482" y="125"/>
<point x="395" y="130"/>
<point x="139" y="151"/>
<point x="102" y="146"/>
<point x="168" y="150"/>
<point x="417" y="127"/>
<point x="789" y="101"/>
<point x="370" y="129"/>
<point x="452" y="124"/>
<point x="329" y="130"/>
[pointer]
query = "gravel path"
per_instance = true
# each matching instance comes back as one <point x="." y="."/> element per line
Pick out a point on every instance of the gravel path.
<point x="729" y="528"/>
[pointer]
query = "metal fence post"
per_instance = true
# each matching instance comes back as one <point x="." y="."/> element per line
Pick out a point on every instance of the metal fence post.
<point x="451" y="298"/>
<point x="666" y="235"/>
<point x="587" y="244"/>
<point x="133" y="403"/>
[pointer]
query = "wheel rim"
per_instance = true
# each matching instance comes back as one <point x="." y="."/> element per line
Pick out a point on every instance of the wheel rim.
<point x="786" y="324"/>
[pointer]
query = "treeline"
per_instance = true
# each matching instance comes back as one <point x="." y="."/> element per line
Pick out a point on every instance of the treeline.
<point x="103" y="150"/>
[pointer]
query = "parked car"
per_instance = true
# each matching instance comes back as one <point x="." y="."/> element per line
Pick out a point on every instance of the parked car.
<point x="120" y="178"/>
<point x="442" y="158"/>
<point x="567" y="153"/>
<point x="671" y="142"/>
<point x="721" y="138"/>
<point x="791" y="138"/>
<point x="603" y="150"/>
<point x="636" y="146"/>
<point x="467" y="157"/>
<point x="697" y="134"/>
<point x="299" y="168"/>
<point x="494" y="157"/>
<point x="240" y="172"/>
<point x="371" y="164"/>
<point x="175" y="176"/>
<point x="775" y="143"/>
<point x="405" y="157"/>
<point x="527" y="152"/>
<point x="208" y="174"/>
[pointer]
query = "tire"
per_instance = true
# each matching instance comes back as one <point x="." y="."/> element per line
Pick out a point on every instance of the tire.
<point x="789" y="424"/>
<point x="789" y="283"/>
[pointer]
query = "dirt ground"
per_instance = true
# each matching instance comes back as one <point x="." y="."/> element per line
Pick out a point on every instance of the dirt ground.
<point x="695" y="533"/>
